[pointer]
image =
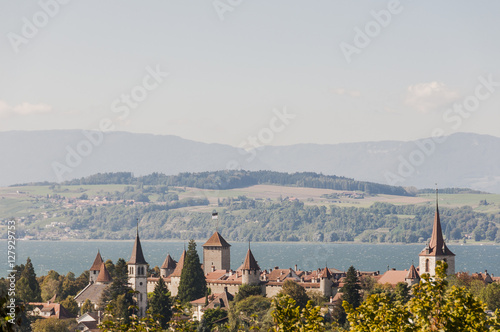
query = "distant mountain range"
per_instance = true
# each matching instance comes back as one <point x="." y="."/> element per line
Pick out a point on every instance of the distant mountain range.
<point x="462" y="160"/>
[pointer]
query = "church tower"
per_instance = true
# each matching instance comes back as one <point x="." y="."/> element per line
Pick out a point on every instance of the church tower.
<point x="168" y="267"/>
<point x="325" y="282"/>
<point x="96" y="267"/>
<point x="137" y="275"/>
<point x="216" y="254"/>
<point x="250" y="270"/>
<point x="436" y="250"/>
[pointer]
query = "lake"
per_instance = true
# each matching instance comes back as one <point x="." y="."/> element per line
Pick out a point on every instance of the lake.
<point x="78" y="256"/>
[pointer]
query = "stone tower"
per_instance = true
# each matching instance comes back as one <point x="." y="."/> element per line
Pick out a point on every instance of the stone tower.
<point x="216" y="254"/>
<point x="436" y="250"/>
<point x="412" y="276"/>
<point x="168" y="267"/>
<point x="325" y="282"/>
<point x="96" y="267"/>
<point x="137" y="276"/>
<point x="250" y="270"/>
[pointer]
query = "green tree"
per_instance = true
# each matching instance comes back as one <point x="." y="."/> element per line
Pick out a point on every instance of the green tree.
<point x="350" y="291"/>
<point x="296" y="292"/>
<point x="193" y="284"/>
<point x="433" y="307"/>
<point x="247" y="290"/>
<point x="160" y="303"/>
<point x="27" y="287"/>
<point x="54" y="325"/>
<point x="491" y="296"/>
<point x="289" y="317"/>
<point x="252" y="311"/>
<point x="70" y="304"/>
<point x="210" y="316"/>
<point x="119" y="294"/>
<point x="87" y="306"/>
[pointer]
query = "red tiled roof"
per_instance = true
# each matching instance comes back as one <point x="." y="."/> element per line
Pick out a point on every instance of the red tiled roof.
<point x="325" y="273"/>
<point x="392" y="277"/>
<point x="180" y="264"/>
<point x="97" y="262"/>
<point x="103" y="274"/>
<point x="216" y="240"/>
<point x="137" y="255"/>
<point x="217" y="275"/>
<point x="169" y="263"/>
<point x="250" y="263"/>
<point x="58" y="309"/>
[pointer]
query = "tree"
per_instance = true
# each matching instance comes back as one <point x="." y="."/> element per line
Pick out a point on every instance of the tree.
<point x="27" y="287"/>
<point x="193" y="284"/>
<point x="54" y="325"/>
<point x="491" y="296"/>
<point x="210" y="317"/>
<point x="86" y="307"/>
<point x="251" y="311"/>
<point x="434" y="307"/>
<point x="160" y="303"/>
<point x="350" y="294"/>
<point x="288" y="316"/>
<point x="70" y="304"/>
<point x="296" y="292"/>
<point x="247" y="290"/>
<point x="119" y="295"/>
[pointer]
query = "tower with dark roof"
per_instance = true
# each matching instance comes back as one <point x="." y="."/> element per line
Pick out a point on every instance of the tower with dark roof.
<point x="137" y="275"/>
<point x="250" y="270"/>
<point x="412" y="276"/>
<point x="168" y="267"/>
<point x="436" y="250"/>
<point x="216" y="254"/>
<point x="95" y="268"/>
<point x="104" y="276"/>
<point x="325" y="282"/>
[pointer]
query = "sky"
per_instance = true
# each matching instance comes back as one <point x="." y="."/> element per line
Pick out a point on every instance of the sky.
<point x="221" y="71"/>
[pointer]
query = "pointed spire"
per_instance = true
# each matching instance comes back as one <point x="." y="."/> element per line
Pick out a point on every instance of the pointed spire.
<point x="250" y="263"/>
<point x="325" y="273"/>
<point x="437" y="247"/>
<point x="104" y="276"/>
<point x="169" y="263"/>
<point x="137" y="255"/>
<point x="180" y="264"/>
<point x="97" y="262"/>
<point x="412" y="273"/>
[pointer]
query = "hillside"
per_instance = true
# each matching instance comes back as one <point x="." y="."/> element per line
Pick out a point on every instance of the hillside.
<point x="260" y="212"/>
<point x="463" y="160"/>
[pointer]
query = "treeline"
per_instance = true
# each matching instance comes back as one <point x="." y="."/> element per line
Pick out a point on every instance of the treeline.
<point x="231" y="179"/>
<point x="244" y="219"/>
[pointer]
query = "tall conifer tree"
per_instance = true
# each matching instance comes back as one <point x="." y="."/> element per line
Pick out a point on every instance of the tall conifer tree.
<point x="193" y="284"/>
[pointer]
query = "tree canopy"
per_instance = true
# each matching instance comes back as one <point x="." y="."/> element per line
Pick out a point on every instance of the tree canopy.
<point x="193" y="284"/>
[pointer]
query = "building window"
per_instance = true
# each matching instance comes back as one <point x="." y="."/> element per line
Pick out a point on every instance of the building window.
<point x="427" y="265"/>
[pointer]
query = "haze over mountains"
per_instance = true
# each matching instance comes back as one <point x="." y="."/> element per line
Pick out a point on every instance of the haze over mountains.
<point x="462" y="160"/>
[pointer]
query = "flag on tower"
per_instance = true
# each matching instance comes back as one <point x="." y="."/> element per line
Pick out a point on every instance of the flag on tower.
<point x="215" y="216"/>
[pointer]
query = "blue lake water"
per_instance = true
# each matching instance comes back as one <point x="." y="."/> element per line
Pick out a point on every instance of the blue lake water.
<point x="78" y="256"/>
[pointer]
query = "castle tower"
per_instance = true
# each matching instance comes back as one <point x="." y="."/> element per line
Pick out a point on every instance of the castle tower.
<point x="175" y="277"/>
<point x="104" y="277"/>
<point x="325" y="282"/>
<point x="167" y="267"/>
<point x="412" y="277"/>
<point x="436" y="250"/>
<point x="250" y="270"/>
<point x="216" y="254"/>
<point x="96" y="267"/>
<point x="137" y="275"/>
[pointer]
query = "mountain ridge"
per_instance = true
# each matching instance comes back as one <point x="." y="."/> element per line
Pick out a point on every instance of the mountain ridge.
<point x="462" y="160"/>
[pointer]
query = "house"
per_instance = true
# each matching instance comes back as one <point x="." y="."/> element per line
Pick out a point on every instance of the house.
<point x="50" y="309"/>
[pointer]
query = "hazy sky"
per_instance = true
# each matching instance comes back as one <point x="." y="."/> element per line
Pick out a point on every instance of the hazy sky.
<point x="230" y="63"/>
